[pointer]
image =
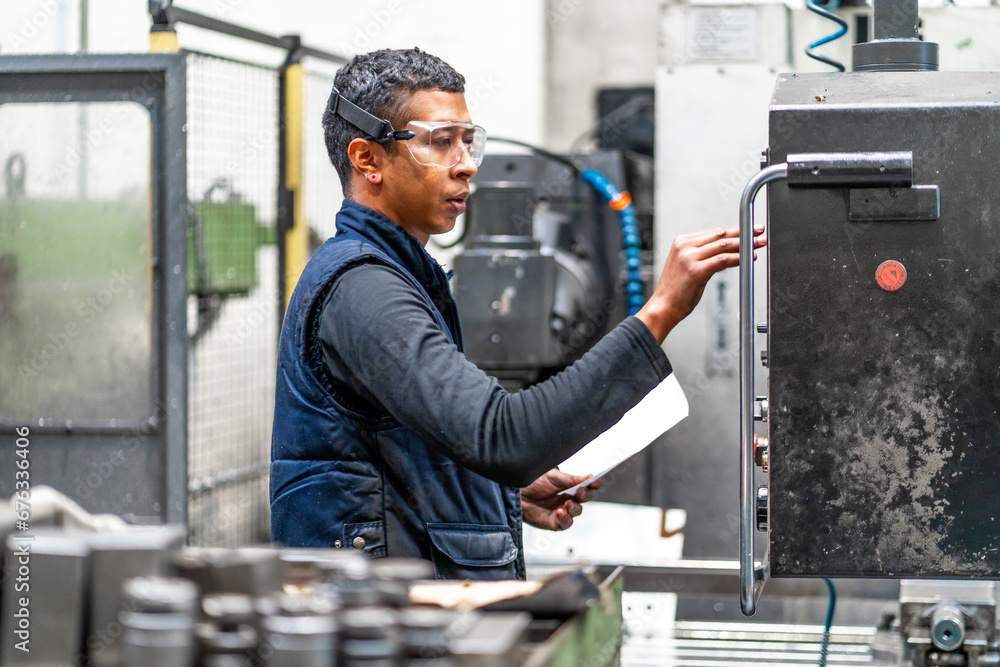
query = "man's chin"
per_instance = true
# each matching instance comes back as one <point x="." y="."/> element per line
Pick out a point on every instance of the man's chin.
<point x="444" y="226"/>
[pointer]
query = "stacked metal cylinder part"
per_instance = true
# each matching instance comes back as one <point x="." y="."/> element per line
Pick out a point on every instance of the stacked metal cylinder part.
<point x="284" y="608"/>
<point x="79" y="591"/>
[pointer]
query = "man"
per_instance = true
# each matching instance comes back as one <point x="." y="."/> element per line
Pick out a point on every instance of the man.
<point x="386" y="438"/>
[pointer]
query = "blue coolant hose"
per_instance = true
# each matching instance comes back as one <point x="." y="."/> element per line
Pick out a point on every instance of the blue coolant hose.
<point x="824" y="645"/>
<point x="824" y="10"/>
<point x="622" y="203"/>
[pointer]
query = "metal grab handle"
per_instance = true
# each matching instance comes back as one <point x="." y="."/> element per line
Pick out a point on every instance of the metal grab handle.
<point x="801" y="170"/>
<point x="751" y="579"/>
<point x="860" y="169"/>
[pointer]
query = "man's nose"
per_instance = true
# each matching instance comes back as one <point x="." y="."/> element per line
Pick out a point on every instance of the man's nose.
<point x="465" y="165"/>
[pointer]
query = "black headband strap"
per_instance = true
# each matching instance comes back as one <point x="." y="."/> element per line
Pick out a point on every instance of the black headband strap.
<point x="377" y="128"/>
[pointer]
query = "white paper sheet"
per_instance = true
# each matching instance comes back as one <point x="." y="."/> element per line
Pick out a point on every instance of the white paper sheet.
<point x="654" y="415"/>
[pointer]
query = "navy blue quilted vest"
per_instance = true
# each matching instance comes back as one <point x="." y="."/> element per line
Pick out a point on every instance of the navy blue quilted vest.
<point x="350" y="478"/>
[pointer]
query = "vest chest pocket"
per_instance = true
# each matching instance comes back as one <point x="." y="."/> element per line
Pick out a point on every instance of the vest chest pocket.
<point x="368" y="537"/>
<point x="471" y="551"/>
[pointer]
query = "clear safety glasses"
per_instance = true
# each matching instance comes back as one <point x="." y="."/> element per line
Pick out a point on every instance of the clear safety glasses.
<point x="440" y="143"/>
<point x="431" y="143"/>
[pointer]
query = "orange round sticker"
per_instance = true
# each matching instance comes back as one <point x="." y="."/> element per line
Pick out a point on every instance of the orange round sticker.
<point x="890" y="275"/>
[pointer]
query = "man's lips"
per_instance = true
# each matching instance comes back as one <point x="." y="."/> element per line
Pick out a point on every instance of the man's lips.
<point x="458" y="203"/>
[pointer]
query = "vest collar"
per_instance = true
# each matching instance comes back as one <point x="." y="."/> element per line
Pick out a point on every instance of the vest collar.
<point x="357" y="220"/>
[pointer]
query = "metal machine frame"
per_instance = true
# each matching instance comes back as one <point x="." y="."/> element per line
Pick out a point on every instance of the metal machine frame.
<point x="154" y="465"/>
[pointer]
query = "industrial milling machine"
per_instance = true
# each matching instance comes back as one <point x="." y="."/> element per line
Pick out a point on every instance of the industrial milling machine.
<point x="878" y="417"/>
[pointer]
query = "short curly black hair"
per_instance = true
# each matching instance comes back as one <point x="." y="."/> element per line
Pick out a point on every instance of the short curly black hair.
<point x="383" y="83"/>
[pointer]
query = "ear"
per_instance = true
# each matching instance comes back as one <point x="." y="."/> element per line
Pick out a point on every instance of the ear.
<point x="366" y="156"/>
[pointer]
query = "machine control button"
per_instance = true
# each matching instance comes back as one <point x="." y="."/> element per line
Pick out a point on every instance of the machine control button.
<point x="763" y="358"/>
<point x="760" y="451"/>
<point x="762" y="327"/>
<point x="762" y="509"/>
<point x="358" y="543"/>
<point x="890" y="275"/>
<point x="760" y="409"/>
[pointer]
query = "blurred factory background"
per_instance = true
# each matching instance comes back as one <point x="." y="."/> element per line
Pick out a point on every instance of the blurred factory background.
<point x="163" y="185"/>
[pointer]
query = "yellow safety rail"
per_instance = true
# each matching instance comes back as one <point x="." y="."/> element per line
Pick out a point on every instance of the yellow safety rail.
<point x="297" y="238"/>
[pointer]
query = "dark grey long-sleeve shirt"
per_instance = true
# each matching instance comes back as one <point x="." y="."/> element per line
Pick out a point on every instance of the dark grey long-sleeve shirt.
<point x="381" y="340"/>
